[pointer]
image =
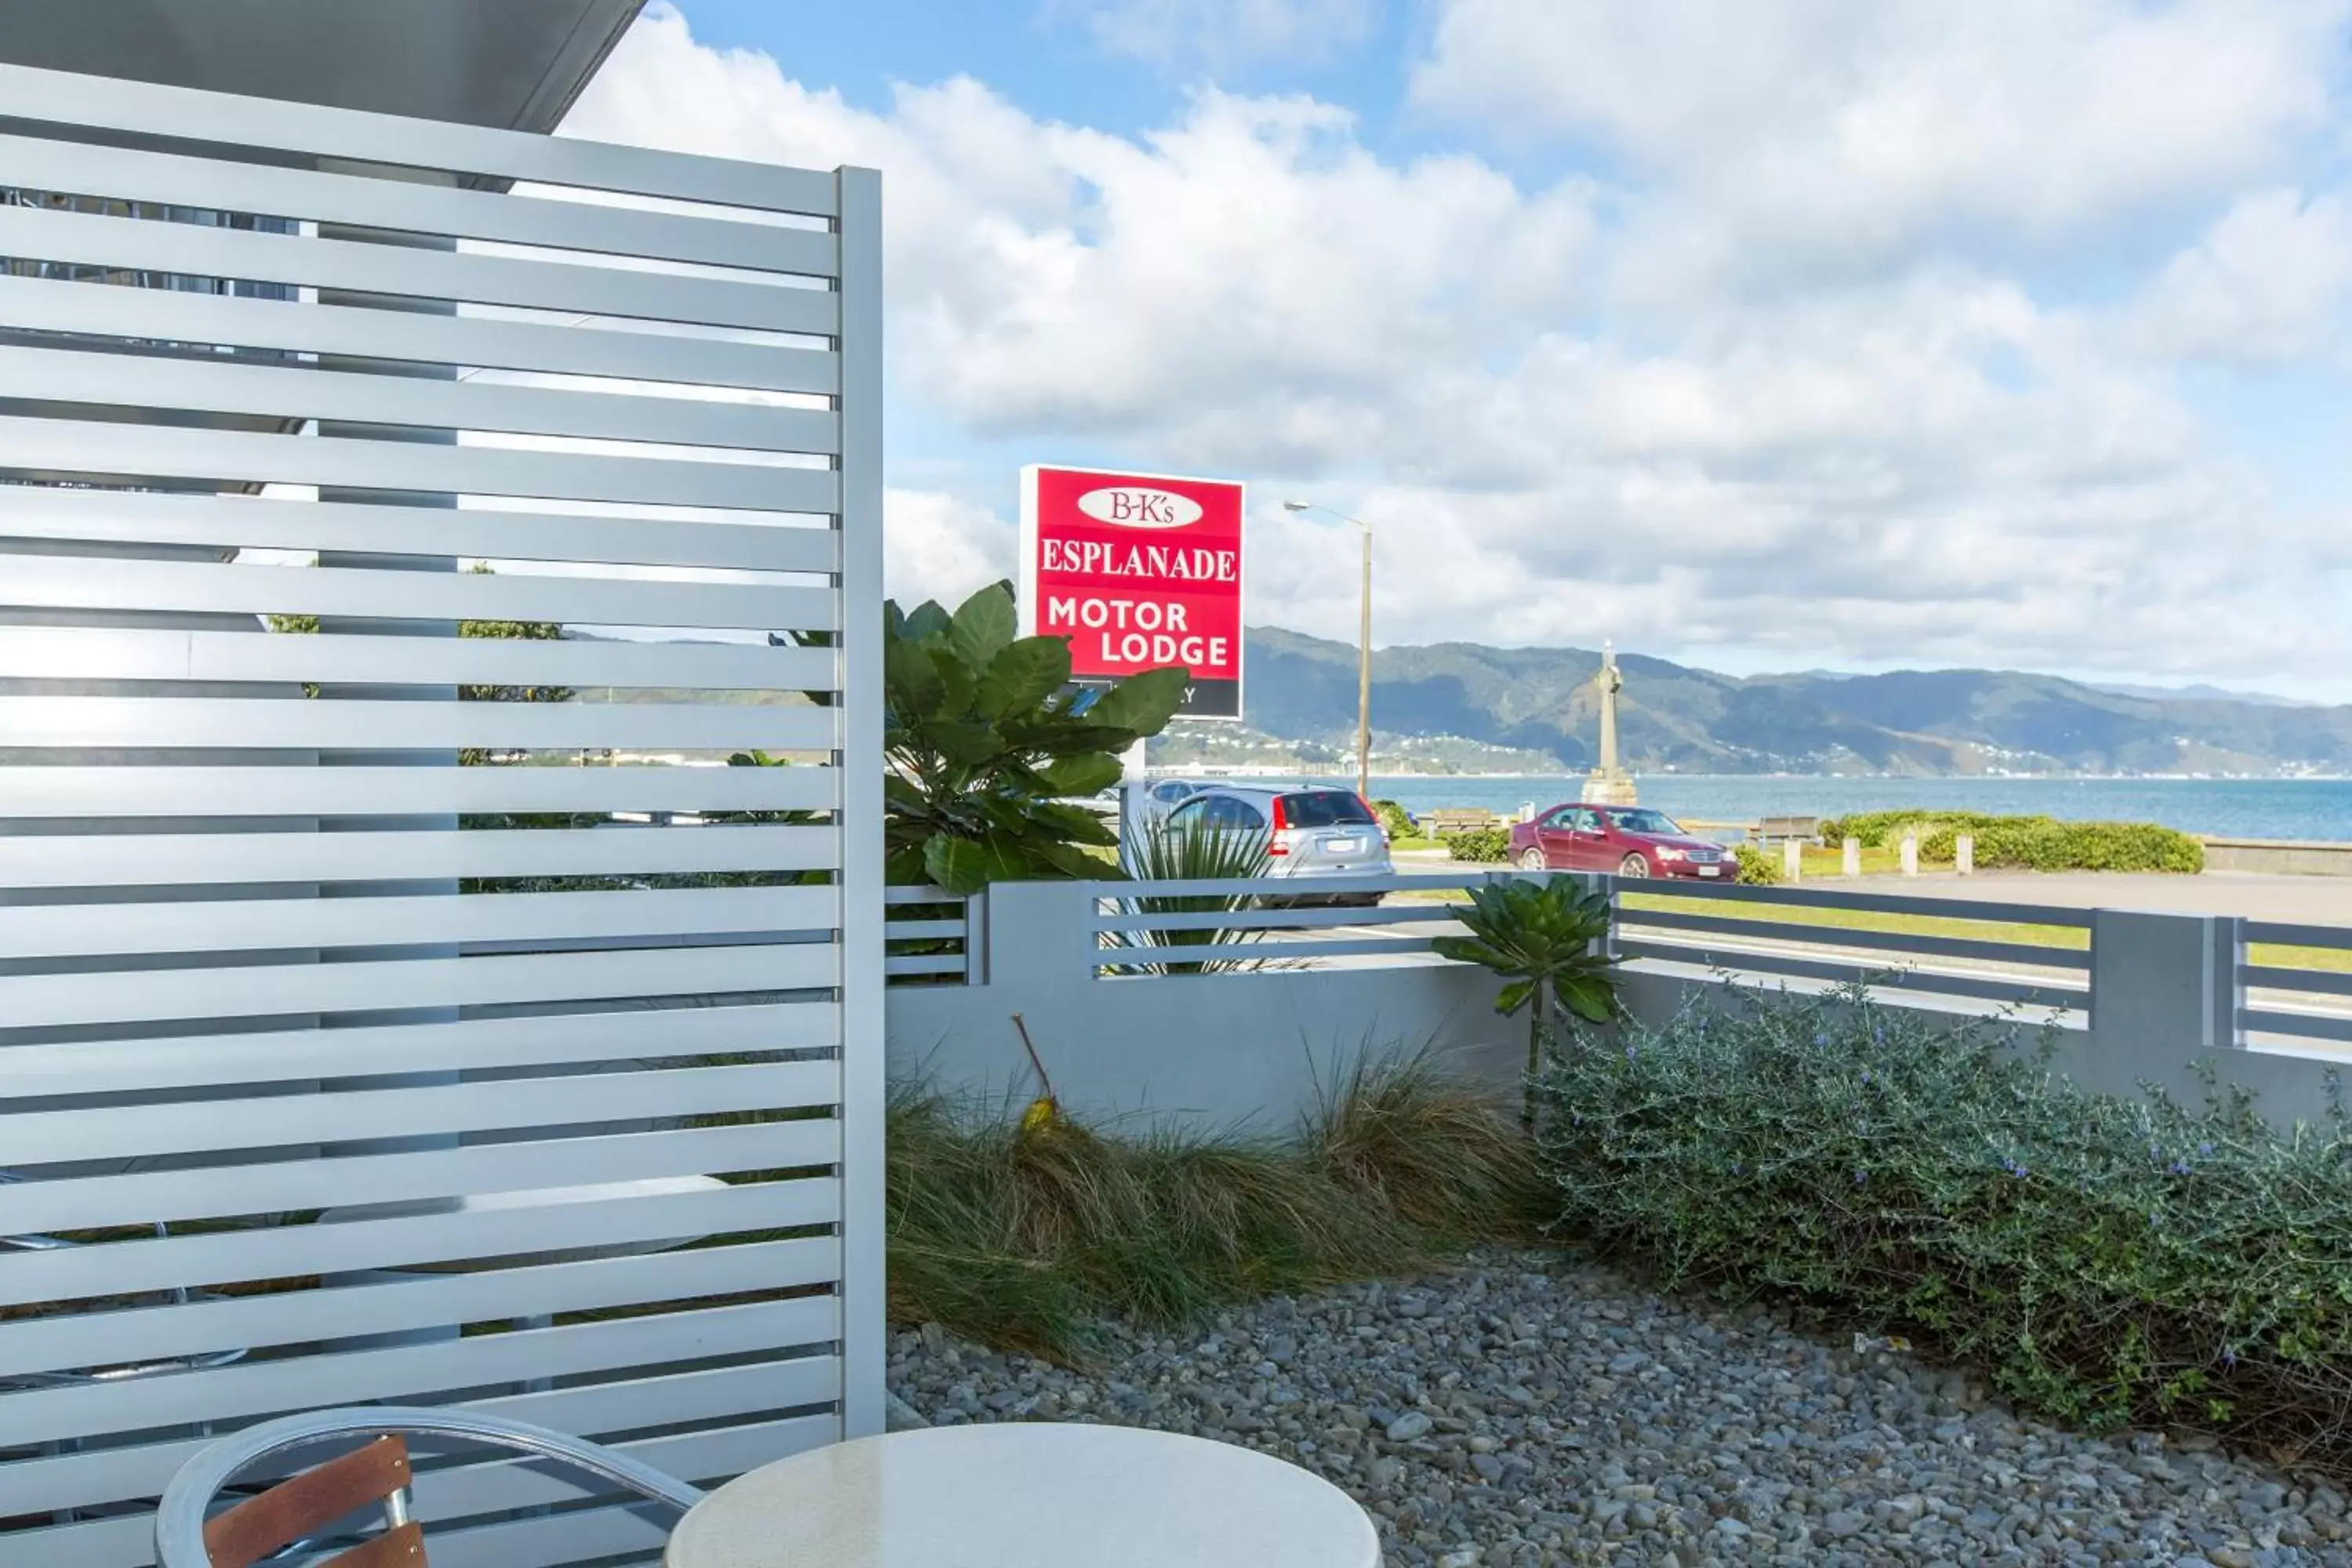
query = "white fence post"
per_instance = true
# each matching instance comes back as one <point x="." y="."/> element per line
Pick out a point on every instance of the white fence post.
<point x="1964" y="854"/>
<point x="1851" y="858"/>
<point x="1910" y="854"/>
<point x="1792" y="859"/>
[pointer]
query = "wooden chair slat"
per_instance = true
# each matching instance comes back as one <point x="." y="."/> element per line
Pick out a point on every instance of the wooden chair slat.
<point x="402" y="1548"/>
<point x="301" y="1504"/>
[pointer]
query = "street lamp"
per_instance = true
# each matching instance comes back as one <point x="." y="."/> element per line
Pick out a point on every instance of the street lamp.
<point x="1363" y="649"/>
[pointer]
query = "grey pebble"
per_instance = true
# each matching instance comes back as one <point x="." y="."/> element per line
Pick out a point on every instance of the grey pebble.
<point x="1519" y="1411"/>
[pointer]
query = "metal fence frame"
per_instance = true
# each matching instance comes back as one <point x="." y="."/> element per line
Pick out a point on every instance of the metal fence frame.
<point x="332" y="1070"/>
<point x="2185" y="978"/>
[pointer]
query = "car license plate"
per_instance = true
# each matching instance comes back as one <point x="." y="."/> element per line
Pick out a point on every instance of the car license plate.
<point x="1710" y="870"/>
<point x="1342" y="846"/>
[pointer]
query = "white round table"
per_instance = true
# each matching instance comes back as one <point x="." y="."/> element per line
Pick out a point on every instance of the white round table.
<point x="1027" y="1495"/>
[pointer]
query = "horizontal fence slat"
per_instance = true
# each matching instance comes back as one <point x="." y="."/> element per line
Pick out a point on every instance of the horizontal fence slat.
<point x="353" y="1311"/>
<point x="921" y="930"/>
<point x="2311" y="1025"/>
<point x="1305" y="886"/>
<point x="1306" y="918"/>
<point x="258" y="991"/>
<point x="64" y="98"/>
<point x="1982" y="987"/>
<point x="96" y="860"/>
<point x="80" y="1203"/>
<point x="410" y="1371"/>
<point x="64" y="583"/>
<point x="123" y="1475"/>
<point x="471" y="341"/>
<point x="895" y="896"/>
<point x="171" y="179"/>
<point x="1258" y="953"/>
<point x="359" y="723"/>
<point x="2286" y="934"/>
<point x="1857" y="903"/>
<point x="925" y="963"/>
<point x="262" y="522"/>
<point x="1763" y="927"/>
<point x="302" y="1121"/>
<point x="222" y="386"/>
<point x="231" y="925"/>
<point x="113" y="654"/>
<point x="169" y="452"/>
<point x="411" y="1242"/>
<point x="88" y="240"/>
<point x="2273" y="977"/>
<point x="194" y="1061"/>
<point x="306" y="791"/>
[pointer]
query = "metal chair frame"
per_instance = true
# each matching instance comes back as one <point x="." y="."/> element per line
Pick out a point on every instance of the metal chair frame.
<point x="187" y="1500"/>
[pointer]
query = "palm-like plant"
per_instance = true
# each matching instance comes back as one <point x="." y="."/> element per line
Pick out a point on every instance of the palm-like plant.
<point x="1191" y="853"/>
<point x="1547" y="939"/>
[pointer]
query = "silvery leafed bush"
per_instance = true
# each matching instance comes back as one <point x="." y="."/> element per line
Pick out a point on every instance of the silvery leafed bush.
<point x="2111" y="1262"/>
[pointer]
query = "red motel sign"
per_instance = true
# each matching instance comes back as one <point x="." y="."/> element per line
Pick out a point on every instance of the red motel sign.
<point x="1139" y="572"/>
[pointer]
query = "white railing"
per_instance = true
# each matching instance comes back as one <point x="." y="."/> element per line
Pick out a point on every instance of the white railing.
<point x="2041" y="958"/>
<point x="2295" y="1003"/>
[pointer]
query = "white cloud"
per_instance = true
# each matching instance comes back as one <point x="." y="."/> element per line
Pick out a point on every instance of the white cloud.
<point x="2269" y="281"/>
<point x="1835" y="135"/>
<point x="1673" y="408"/>
<point x="942" y="547"/>
<point x="1222" y="33"/>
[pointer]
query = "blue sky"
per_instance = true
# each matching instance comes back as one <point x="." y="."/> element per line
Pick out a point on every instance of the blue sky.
<point x="1851" y="333"/>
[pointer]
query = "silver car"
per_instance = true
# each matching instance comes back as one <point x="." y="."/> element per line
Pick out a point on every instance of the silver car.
<point x="1312" y="831"/>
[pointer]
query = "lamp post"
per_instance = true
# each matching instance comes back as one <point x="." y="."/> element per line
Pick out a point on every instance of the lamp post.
<point x="1363" y="649"/>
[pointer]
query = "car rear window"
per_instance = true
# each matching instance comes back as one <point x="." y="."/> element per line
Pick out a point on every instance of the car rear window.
<point x="1324" y="809"/>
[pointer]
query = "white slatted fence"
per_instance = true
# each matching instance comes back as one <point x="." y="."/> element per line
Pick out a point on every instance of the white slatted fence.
<point x="401" y="997"/>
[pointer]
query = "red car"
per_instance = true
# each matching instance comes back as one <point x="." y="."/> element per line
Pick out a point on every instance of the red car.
<point x="1631" y="840"/>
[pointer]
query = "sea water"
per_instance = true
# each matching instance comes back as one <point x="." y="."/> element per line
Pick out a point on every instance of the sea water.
<point x="2249" y="808"/>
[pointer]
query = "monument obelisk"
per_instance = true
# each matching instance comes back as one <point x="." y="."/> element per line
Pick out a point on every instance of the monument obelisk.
<point x="1609" y="784"/>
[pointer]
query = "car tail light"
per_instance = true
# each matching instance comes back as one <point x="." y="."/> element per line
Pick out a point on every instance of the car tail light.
<point x="1281" y="817"/>
<point x="1277" y="846"/>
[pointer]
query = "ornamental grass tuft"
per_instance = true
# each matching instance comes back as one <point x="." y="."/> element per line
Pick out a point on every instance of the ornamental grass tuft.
<point x="2109" y="1261"/>
<point x="1026" y="1237"/>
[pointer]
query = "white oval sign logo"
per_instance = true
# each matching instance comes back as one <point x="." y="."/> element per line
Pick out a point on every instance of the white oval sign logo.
<point x="1134" y="506"/>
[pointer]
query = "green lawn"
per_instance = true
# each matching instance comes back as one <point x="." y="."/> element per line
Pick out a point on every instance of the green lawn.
<point x="2074" y="937"/>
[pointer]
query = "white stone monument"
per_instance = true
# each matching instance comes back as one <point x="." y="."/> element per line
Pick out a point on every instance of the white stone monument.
<point x="1609" y="784"/>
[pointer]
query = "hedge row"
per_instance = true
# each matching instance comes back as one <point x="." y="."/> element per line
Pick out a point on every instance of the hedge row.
<point x="1483" y="845"/>
<point x="2111" y="1262"/>
<point x="2029" y="843"/>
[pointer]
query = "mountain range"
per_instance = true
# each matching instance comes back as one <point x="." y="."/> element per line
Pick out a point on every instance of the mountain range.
<point x="1499" y="708"/>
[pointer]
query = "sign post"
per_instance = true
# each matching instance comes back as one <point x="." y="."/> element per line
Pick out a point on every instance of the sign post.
<point x="1139" y="571"/>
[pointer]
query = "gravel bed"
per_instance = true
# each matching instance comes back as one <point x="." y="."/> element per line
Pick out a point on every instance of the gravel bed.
<point x="1519" y="1411"/>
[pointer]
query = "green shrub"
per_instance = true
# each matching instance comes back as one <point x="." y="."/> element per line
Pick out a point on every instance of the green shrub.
<point x="2029" y="843"/>
<point x="1884" y="829"/>
<point x="1549" y="939"/>
<point x="2109" y="1261"/>
<point x="1395" y="820"/>
<point x="1758" y="864"/>
<point x="1481" y="845"/>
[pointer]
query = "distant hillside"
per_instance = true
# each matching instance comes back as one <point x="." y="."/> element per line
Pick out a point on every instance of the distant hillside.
<point x="1541" y="701"/>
